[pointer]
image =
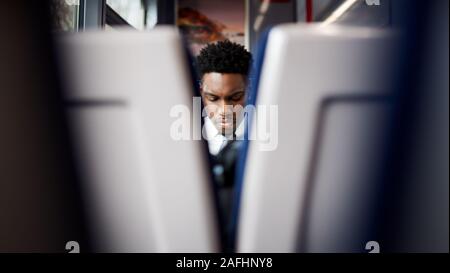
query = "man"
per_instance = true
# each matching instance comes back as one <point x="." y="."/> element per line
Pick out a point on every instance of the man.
<point x="224" y="68"/>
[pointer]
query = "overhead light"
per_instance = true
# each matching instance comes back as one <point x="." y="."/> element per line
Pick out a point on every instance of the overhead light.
<point x="258" y="22"/>
<point x="264" y="6"/>
<point x="343" y="8"/>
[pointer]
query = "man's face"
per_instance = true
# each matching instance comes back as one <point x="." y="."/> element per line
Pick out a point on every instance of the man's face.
<point x="221" y="92"/>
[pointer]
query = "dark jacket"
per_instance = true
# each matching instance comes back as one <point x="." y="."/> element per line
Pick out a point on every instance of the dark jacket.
<point x="224" y="167"/>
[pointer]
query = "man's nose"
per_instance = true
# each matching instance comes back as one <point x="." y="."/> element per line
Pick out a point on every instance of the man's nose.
<point x="225" y="109"/>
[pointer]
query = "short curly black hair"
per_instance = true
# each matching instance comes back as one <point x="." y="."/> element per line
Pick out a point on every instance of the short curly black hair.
<point x="224" y="57"/>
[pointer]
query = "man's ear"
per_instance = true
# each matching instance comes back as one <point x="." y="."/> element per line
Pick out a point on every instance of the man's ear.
<point x="200" y="85"/>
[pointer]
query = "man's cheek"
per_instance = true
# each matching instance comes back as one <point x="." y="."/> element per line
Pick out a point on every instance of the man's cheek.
<point x="213" y="115"/>
<point x="238" y="111"/>
<point x="210" y="110"/>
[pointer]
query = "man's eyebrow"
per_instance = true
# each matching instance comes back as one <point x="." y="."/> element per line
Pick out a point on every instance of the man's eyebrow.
<point x="209" y="94"/>
<point x="237" y="92"/>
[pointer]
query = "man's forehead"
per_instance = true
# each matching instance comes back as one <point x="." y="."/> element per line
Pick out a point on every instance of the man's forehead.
<point x="221" y="91"/>
<point x="222" y="83"/>
<point x="214" y="77"/>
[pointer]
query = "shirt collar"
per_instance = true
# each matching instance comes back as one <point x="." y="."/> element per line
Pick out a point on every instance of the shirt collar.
<point x="210" y="129"/>
<point x="212" y="132"/>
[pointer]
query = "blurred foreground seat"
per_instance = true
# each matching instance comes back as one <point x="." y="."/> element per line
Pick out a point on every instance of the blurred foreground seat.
<point x="309" y="186"/>
<point x="146" y="192"/>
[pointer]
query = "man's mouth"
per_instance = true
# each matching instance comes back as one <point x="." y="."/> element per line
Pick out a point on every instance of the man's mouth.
<point x="225" y="122"/>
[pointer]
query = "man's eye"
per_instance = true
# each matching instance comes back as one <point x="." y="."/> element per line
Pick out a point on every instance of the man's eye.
<point x="212" y="98"/>
<point x="237" y="97"/>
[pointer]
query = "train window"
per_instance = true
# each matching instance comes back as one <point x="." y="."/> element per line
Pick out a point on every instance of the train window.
<point x="365" y="13"/>
<point x="130" y="12"/>
<point x="65" y="14"/>
<point x="78" y="15"/>
<point x="262" y="15"/>
<point x="373" y="13"/>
